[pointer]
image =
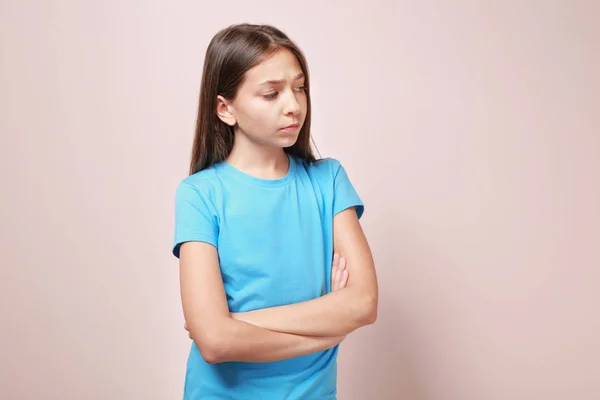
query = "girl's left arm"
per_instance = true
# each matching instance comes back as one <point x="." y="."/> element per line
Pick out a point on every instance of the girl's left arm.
<point x="337" y="313"/>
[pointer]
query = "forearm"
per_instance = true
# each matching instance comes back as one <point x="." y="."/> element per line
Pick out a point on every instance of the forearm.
<point x="335" y="314"/>
<point x="244" y="342"/>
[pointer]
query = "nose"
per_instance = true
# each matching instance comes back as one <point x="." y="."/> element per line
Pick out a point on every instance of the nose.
<point x="292" y="107"/>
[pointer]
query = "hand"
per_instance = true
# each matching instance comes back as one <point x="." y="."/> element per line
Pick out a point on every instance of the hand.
<point x="339" y="273"/>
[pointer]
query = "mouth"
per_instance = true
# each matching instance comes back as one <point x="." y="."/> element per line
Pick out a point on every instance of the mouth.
<point x="290" y="127"/>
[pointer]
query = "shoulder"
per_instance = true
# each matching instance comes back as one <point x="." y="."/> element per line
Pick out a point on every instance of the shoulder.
<point x="202" y="184"/>
<point x="324" y="167"/>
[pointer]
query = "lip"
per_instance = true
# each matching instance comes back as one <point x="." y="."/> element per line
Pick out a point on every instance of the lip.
<point x="291" y="127"/>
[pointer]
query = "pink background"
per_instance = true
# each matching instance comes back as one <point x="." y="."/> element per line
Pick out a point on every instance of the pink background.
<point x="470" y="129"/>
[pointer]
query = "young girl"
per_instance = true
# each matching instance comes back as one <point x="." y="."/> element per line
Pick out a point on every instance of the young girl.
<point x="257" y="223"/>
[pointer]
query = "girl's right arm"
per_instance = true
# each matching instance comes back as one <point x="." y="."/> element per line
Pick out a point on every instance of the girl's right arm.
<point x="219" y="337"/>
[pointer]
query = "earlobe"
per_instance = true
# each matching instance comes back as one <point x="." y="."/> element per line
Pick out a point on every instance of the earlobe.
<point x="224" y="112"/>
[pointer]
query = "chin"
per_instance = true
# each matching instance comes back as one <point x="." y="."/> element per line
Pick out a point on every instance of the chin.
<point x="287" y="141"/>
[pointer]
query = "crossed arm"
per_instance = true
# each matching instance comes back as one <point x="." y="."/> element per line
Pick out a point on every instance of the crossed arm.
<point x="283" y="332"/>
<point x="337" y="313"/>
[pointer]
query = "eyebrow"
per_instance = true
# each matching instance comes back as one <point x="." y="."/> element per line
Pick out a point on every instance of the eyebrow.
<point x="277" y="81"/>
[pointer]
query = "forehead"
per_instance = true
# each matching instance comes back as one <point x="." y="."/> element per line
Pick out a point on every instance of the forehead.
<point x="281" y="65"/>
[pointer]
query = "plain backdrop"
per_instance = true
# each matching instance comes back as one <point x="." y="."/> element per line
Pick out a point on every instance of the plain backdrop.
<point x="471" y="130"/>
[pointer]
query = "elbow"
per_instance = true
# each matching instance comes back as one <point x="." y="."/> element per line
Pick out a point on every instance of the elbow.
<point x="212" y="347"/>
<point x="369" y="310"/>
<point x="210" y="353"/>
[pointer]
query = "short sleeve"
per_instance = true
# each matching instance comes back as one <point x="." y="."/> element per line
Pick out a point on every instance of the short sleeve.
<point x="344" y="194"/>
<point x="194" y="220"/>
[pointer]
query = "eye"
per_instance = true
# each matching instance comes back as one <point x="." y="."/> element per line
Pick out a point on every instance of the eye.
<point x="301" y="88"/>
<point x="270" y="96"/>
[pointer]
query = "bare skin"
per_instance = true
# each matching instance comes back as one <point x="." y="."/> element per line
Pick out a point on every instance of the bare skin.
<point x="272" y="97"/>
<point x="339" y="278"/>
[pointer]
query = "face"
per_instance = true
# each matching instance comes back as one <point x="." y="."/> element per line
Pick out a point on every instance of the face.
<point x="271" y="97"/>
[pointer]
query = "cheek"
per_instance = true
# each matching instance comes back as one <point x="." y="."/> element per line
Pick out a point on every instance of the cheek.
<point x="257" y="114"/>
<point x="303" y="104"/>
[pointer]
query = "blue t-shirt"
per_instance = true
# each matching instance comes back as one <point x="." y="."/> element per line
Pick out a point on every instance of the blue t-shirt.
<point x="275" y="244"/>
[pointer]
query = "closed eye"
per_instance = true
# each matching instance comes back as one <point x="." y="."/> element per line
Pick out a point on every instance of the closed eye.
<point x="273" y="95"/>
<point x="270" y="95"/>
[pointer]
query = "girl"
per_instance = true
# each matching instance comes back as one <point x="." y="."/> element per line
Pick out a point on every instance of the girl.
<point x="257" y="223"/>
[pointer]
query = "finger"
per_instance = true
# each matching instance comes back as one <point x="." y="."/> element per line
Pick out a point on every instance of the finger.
<point x="333" y="280"/>
<point x="340" y="271"/>
<point x="342" y="264"/>
<point x="334" y="268"/>
<point x="344" y="280"/>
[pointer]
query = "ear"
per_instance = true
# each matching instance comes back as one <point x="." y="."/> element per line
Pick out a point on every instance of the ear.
<point x="224" y="111"/>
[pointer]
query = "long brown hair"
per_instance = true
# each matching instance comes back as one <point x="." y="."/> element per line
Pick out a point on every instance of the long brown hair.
<point x="231" y="52"/>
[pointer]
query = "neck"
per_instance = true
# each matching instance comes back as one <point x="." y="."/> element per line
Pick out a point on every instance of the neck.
<point x="260" y="161"/>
